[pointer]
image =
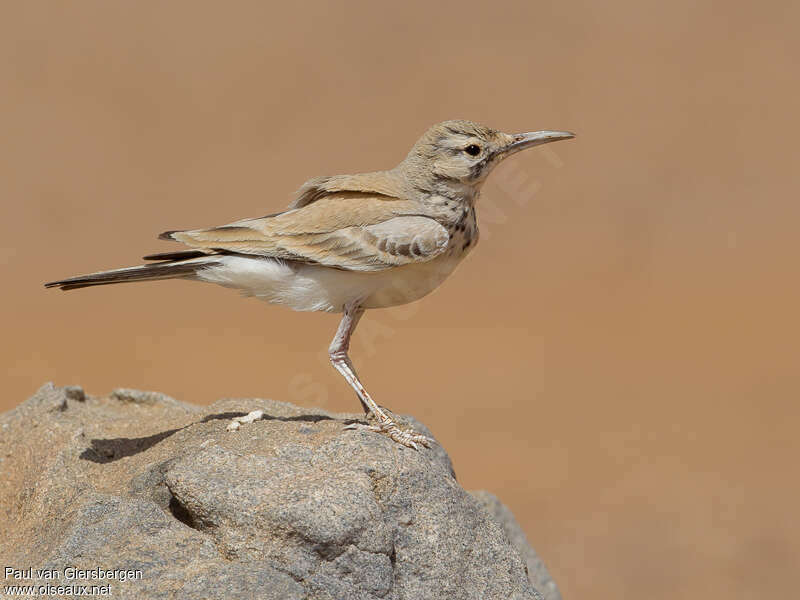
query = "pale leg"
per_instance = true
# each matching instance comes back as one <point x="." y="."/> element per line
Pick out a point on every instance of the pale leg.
<point x="341" y="362"/>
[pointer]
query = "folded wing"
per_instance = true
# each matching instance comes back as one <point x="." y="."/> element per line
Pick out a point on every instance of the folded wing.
<point x="352" y="231"/>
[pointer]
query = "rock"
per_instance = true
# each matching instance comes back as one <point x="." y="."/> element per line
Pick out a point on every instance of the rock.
<point x="166" y="503"/>
<point x="537" y="572"/>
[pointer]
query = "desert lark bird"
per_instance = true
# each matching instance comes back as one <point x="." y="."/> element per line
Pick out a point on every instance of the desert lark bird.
<point x="350" y="242"/>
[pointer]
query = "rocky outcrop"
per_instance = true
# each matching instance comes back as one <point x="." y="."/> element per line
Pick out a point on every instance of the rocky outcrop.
<point x="155" y="499"/>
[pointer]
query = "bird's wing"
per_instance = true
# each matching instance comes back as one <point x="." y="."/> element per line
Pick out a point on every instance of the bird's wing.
<point x="352" y="231"/>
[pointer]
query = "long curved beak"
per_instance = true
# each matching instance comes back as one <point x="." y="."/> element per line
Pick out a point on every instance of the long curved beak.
<point x="536" y="138"/>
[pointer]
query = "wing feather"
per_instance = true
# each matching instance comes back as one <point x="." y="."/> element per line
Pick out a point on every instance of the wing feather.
<point x="343" y="230"/>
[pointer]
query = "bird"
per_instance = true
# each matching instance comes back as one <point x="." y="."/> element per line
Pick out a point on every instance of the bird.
<point x="349" y="243"/>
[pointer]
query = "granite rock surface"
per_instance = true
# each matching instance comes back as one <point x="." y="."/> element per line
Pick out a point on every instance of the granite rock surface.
<point x="291" y="506"/>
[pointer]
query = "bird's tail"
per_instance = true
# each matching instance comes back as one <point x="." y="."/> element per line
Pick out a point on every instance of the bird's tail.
<point x="184" y="267"/>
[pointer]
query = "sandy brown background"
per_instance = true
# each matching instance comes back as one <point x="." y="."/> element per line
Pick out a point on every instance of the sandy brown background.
<point x="618" y="360"/>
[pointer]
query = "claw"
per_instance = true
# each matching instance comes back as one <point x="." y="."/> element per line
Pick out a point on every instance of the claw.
<point x="406" y="437"/>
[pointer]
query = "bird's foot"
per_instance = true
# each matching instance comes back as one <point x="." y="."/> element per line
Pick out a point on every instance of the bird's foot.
<point x="248" y="418"/>
<point x="405" y="436"/>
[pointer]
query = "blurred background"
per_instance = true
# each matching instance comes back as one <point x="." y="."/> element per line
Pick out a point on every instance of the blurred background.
<point x="618" y="359"/>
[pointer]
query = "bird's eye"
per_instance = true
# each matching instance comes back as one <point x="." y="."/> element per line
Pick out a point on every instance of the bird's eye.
<point x="473" y="150"/>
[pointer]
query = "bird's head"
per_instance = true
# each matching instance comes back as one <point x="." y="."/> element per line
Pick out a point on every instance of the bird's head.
<point x="462" y="153"/>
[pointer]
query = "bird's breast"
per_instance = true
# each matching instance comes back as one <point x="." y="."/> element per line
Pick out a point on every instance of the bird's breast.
<point x="408" y="283"/>
<point x="463" y="231"/>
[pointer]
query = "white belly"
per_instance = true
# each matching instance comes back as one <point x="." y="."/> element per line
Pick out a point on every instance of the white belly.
<point x="311" y="287"/>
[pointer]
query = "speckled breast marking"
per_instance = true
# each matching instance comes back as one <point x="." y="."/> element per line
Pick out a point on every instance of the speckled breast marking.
<point x="463" y="232"/>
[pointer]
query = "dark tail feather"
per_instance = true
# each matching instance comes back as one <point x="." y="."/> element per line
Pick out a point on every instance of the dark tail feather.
<point x="165" y="270"/>
<point x="180" y="255"/>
